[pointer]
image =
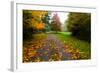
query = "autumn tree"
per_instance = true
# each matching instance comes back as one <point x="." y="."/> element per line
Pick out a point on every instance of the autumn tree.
<point x="55" y="23"/>
<point x="37" y="21"/>
<point x="80" y="25"/>
<point x="32" y="22"/>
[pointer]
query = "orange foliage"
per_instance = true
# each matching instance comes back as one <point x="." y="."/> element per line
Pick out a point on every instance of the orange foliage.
<point x="40" y="26"/>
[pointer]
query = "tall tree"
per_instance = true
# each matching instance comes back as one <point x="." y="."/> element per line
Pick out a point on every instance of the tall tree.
<point x="80" y="25"/>
<point x="46" y="20"/>
<point x="55" y="23"/>
<point x="32" y="22"/>
<point x="27" y="24"/>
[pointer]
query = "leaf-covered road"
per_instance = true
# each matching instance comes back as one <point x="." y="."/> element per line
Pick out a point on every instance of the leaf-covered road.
<point x="56" y="48"/>
<point x="50" y="48"/>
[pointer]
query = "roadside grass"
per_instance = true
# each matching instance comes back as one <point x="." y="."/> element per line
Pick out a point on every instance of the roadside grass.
<point x="81" y="45"/>
<point x="39" y="36"/>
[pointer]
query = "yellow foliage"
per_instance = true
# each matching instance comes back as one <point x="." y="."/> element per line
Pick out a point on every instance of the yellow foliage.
<point x="37" y="19"/>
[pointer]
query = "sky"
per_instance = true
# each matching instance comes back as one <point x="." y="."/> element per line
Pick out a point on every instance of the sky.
<point x="63" y="16"/>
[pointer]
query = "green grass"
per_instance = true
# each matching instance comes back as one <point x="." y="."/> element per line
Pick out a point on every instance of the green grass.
<point x="65" y="33"/>
<point x="83" y="46"/>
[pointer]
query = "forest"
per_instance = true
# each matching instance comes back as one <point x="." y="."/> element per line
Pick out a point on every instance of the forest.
<point x="56" y="36"/>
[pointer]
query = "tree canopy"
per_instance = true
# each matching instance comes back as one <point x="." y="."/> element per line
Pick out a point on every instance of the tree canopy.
<point x="80" y="25"/>
<point x="33" y="22"/>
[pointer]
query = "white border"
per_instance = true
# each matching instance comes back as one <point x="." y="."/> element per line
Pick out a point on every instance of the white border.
<point x="17" y="31"/>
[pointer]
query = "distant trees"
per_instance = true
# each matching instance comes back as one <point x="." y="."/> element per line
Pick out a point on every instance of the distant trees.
<point x="55" y="23"/>
<point x="80" y="25"/>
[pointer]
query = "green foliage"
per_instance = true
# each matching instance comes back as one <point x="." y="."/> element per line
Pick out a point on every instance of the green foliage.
<point x="80" y="25"/>
<point x="27" y="24"/>
<point x="46" y="20"/>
